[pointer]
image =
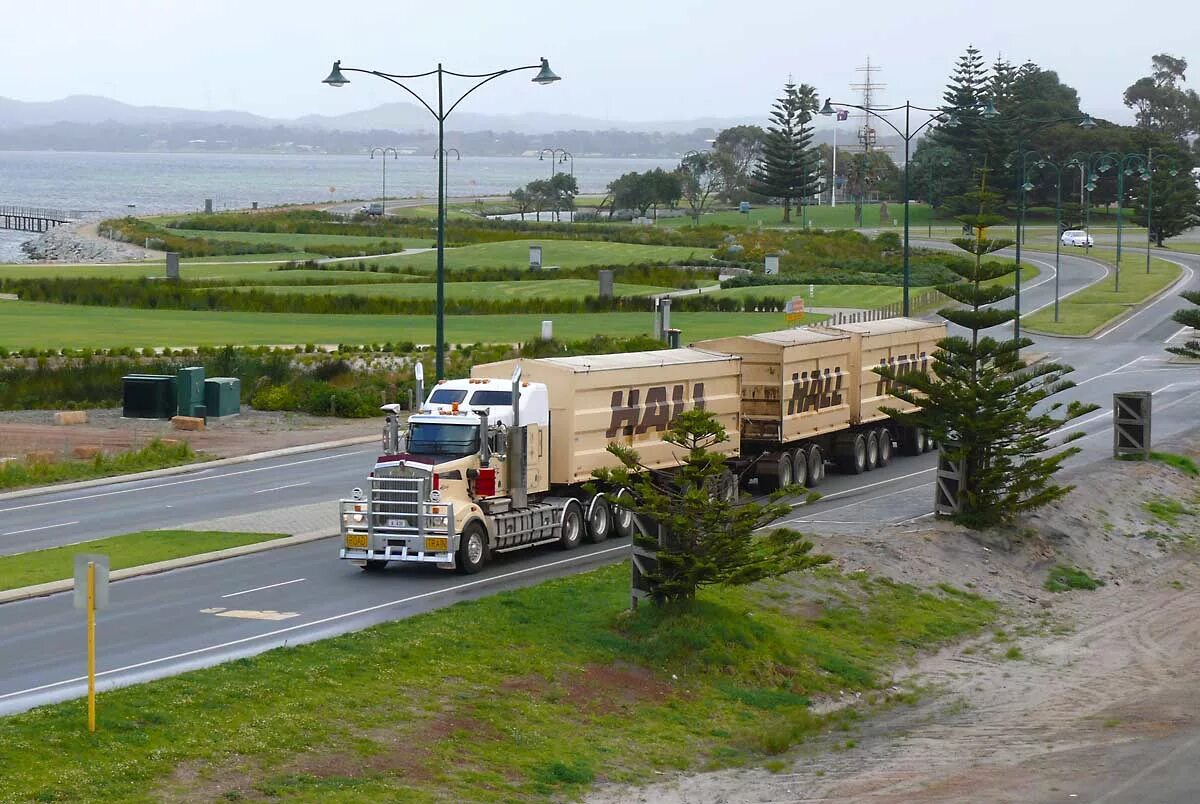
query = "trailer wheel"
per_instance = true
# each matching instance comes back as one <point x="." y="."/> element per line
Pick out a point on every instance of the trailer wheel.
<point x="912" y="440"/>
<point x="853" y="456"/>
<point x="885" y="446"/>
<point x="872" y="450"/>
<point x="622" y="522"/>
<point x="373" y="565"/>
<point x="472" y="548"/>
<point x="816" y="466"/>
<point x="774" y="473"/>
<point x="929" y="445"/>
<point x="599" y="519"/>
<point x="799" y="467"/>
<point x="571" y="527"/>
<point x="727" y="486"/>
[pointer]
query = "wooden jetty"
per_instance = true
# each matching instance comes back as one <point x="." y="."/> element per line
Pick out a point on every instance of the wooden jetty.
<point x="36" y="219"/>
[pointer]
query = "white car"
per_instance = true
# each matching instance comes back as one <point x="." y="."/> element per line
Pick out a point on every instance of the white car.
<point x="1077" y="237"/>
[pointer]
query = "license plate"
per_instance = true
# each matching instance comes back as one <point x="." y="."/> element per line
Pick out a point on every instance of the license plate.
<point x="437" y="544"/>
<point x="356" y="541"/>
<point x="397" y="523"/>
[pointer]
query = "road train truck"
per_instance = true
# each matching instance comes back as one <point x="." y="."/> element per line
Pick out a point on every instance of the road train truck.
<point x="500" y="460"/>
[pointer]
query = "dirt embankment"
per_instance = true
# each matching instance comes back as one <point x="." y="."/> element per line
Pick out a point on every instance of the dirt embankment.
<point x="1070" y="700"/>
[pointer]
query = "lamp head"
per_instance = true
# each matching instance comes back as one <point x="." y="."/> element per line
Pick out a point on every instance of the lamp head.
<point x="827" y="109"/>
<point x="951" y="120"/>
<point x="1087" y="123"/>
<point x="545" y="75"/>
<point x="1174" y="172"/>
<point x="1090" y="186"/>
<point x="989" y="111"/>
<point x="945" y="163"/>
<point x="336" y="79"/>
<point x="1027" y="186"/>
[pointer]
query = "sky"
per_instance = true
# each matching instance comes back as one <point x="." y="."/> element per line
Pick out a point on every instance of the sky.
<point x="619" y="59"/>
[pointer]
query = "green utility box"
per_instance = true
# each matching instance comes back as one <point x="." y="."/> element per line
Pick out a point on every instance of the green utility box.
<point x="223" y="396"/>
<point x="148" y="396"/>
<point x="190" y="390"/>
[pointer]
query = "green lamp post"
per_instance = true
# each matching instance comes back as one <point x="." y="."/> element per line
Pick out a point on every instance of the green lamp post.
<point x="987" y="111"/>
<point x="1044" y="164"/>
<point x="1085" y="122"/>
<point x="1124" y="165"/>
<point x="337" y="78"/>
<point x="383" y="152"/>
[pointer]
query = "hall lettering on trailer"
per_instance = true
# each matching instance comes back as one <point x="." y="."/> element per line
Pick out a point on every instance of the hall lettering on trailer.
<point x="820" y="389"/>
<point x="634" y="417"/>
<point x="900" y="364"/>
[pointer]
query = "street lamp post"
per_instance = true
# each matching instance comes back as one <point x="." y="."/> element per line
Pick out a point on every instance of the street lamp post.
<point x="383" y="152"/>
<point x="558" y="156"/>
<point x="1124" y="165"/>
<point x="1149" y="176"/>
<point x="936" y="115"/>
<point x="1085" y="122"/>
<point x="444" y="163"/>
<point x="1042" y="164"/>
<point x="543" y="77"/>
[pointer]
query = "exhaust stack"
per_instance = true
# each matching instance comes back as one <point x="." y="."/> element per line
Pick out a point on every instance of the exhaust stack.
<point x="517" y="453"/>
<point x="419" y="371"/>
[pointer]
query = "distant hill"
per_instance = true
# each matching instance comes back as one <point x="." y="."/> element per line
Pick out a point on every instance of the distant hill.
<point x="398" y="116"/>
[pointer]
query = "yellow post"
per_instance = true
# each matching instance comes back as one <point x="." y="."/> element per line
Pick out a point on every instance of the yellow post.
<point x="91" y="647"/>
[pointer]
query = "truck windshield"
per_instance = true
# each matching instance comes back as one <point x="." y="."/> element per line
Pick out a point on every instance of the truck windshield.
<point x="444" y="396"/>
<point x="427" y="438"/>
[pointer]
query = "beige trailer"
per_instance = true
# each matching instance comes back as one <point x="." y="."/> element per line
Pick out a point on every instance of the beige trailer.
<point x="903" y="344"/>
<point x="626" y="398"/>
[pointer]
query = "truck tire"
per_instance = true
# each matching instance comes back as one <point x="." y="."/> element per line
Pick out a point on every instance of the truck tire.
<point x="928" y="445"/>
<point x="571" y="528"/>
<point x="872" y="450"/>
<point x="799" y="467"/>
<point x="884" y="437"/>
<point x="373" y="565"/>
<point x="816" y="466"/>
<point x="600" y="520"/>
<point x="912" y="440"/>
<point x="622" y="522"/>
<point x="727" y="487"/>
<point x="774" y="472"/>
<point x="472" y="548"/>
<point x="852" y="459"/>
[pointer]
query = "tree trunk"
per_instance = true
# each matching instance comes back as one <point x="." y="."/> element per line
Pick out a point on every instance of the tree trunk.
<point x="787" y="210"/>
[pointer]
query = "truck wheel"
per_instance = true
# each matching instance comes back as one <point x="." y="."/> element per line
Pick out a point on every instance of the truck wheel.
<point x="929" y="444"/>
<point x="799" y="467"/>
<point x="816" y="466"/>
<point x="774" y="472"/>
<point x="912" y="440"/>
<point x="885" y="446"/>
<point x="872" y="450"/>
<point x="599" y="519"/>
<point x="622" y="522"/>
<point x="727" y="486"/>
<point x="571" y="527"/>
<point x="472" y="549"/>
<point x="374" y="565"/>
<point x="853" y="457"/>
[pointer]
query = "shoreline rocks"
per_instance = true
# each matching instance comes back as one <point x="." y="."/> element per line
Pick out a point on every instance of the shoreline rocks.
<point x="79" y="242"/>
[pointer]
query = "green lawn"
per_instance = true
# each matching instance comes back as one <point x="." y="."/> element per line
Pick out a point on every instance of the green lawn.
<point x="535" y="289"/>
<point x="562" y="253"/>
<point x="155" y="455"/>
<point x="266" y="272"/>
<point x="1093" y="307"/>
<point x="33" y="324"/>
<point x="532" y="695"/>
<point x="130" y="550"/>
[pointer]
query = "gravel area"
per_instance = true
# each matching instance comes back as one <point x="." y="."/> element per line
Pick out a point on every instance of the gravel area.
<point x="81" y="242"/>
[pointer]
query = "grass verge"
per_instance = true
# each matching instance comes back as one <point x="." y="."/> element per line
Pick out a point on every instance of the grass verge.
<point x="39" y="471"/>
<point x="45" y="326"/>
<point x="561" y="253"/>
<point x="1183" y="463"/>
<point x="529" y="695"/>
<point x="129" y="550"/>
<point x="1093" y="307"/>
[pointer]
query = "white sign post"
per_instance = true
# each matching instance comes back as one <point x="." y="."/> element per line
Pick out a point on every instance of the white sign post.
<point x="535" y="258"/>
<point x="91" y="593"/>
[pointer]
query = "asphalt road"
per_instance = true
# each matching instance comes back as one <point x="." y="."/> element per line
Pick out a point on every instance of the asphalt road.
<point x="160" y="625"/>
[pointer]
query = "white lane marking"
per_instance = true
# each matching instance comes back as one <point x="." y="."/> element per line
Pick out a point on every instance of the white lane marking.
<point x="281" y="488"/>
<point x="260" y="588"/>
<point x="1110" y="373"/>
<point x="1188" y="273"/>
<point x="43" y="527"/>
<point x="1069" y="293"/>
<point x="182" y="482"/>
<point x="250" y="614"/>
<point x="1177" y="334"/>
<point x="322" y="621"/>
<point x="1146" y="771"/>
<point x="825" y="511"/>
<point x="837" y="494"/>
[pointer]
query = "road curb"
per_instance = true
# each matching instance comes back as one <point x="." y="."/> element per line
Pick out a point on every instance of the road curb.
<point x="67" y="584"/>
<point x="188" y="467"/>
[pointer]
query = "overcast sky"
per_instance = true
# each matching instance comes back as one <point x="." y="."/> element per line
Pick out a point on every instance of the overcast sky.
<point x="619" y="59"/>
